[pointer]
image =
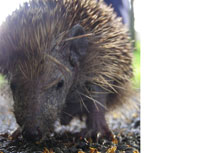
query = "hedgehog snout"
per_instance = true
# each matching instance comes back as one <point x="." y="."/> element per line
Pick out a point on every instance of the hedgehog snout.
<point x="32" y="134"/>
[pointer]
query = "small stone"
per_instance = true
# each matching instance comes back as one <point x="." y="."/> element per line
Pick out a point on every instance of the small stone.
<point x="122" y="147"/>
<point x="57" y="150"/>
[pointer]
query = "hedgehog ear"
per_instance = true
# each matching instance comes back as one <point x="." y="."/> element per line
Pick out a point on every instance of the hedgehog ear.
<point x="78" y="47"/>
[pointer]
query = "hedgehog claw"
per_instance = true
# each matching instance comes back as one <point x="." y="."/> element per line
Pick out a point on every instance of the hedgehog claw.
<point x="97" y="134"/>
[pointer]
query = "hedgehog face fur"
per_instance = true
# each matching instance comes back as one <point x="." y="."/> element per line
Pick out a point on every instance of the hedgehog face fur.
<point x="47" y="91"/>
<point x="65" y="58"/>
<point x="39" y="98"/>
<point x="43" y="81"/>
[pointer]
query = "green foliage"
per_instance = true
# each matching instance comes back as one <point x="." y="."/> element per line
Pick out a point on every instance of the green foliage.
<point x="136" y="66"/>
<point x="1" y="79"/>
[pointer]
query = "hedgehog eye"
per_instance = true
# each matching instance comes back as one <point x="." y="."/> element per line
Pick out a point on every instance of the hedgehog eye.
<point x="60" y="84"/>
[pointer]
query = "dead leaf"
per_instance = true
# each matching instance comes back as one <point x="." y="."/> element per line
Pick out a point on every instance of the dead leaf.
<point x="136" y="151"/>
<point x="112" y="149"/>
<point x="93" y="150"/>
<point x="48" y="151"/>
<point x="115" y="141"/>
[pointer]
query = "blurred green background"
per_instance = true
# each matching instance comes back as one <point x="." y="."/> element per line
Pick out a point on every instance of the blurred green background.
<point x="1" y="79"/>
<point x="136" y="66"/>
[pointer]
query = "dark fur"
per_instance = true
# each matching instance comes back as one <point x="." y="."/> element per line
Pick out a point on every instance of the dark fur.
<point x="64" y="59"/>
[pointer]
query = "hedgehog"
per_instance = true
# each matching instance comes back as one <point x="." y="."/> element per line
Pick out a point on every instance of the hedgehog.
<point x="65" y="59"/>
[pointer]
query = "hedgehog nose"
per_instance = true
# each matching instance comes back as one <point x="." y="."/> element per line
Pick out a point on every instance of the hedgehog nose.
<point x="32" y="134"/>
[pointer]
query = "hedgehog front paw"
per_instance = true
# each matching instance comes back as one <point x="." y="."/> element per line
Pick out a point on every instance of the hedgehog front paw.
<point x="96" y="134"/>
<point x="97" y="129"/>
